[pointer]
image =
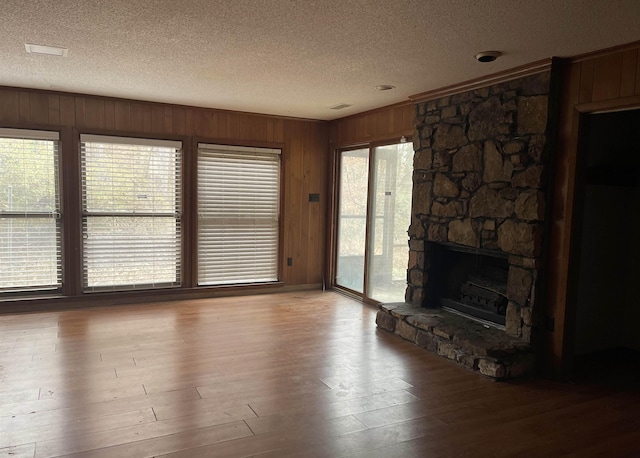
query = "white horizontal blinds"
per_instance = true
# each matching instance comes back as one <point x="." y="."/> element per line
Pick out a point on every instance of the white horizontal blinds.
<point x="238" y="207"/>
<point x="30" y="239"/>
<point x="131" y="213"/>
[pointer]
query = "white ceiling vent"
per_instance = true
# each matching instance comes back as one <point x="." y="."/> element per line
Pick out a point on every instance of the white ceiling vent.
<point x="340" y="106"/>
<point x="47" y="50"/>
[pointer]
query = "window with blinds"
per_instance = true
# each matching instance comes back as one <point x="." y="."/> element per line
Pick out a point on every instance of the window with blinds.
<point x="30" y="244"/>
<point x="131" y="213"/>
<point x="238" y="212"/>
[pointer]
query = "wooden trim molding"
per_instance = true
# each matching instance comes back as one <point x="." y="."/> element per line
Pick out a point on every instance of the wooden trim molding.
<point x="484" y="81"/>
<point x="605" y="52"/>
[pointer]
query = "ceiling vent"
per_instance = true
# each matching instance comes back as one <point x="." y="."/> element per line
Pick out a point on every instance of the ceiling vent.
<point x="47" y="50"/>
<point x="340" y="106"/>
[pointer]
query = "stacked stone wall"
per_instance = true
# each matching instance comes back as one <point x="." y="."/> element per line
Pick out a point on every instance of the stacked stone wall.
<point x="479" y="181"/>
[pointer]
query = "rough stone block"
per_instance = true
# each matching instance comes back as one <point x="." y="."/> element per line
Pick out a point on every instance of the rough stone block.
<point x="447" y="349"/>
<point x="416" y="229"/>
<point x="416" y="245"/>
<point x="406" y="331"/>
<point x="467" y="159"/>
<point x="526" y="315"/>
<point x="448" y="210"/>
<point x="530" y="206"/>
<point x="531" y="177"/>
<point x="418" y="296"/>
<point x="488" y="203"/>
<point x="437" y="233"/>
<point x="462" y="232"/>
<point x="427" y="340"/>
<point x="519" y="283"/>
<point x="493" y="163"/>
<point x="449" y="136"/>
<point x="467" y="361"/>
<point x="444" y="187"/>
<point x="471" y="181"/>
<point x="519" y="238"/>
<point x="491" y="368"/>
<point x="386" y="321"/>
<point x="536" y="147"/>
<point x="423" y="159"/>
<point x="421" y="204"/>
<point x="449" y="112"/>
<point x="416" y="277"/>
<point x="486" y="119"/>
<point x="425" y="321"/>
<point x="446" y="332"/>
<point x="513" y="321"/>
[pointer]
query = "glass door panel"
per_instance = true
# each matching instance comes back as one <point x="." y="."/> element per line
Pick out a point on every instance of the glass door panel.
<point x="389" y="220"/>
<point x="352" y="219"/>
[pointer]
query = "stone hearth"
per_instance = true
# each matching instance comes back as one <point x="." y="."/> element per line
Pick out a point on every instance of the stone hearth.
<point x="479" y="183"/>
<point x="470" y="344"/>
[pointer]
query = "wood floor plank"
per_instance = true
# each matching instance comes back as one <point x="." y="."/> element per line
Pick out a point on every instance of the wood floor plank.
<point x="18" y="451"/>
<point x="287" y="374"/>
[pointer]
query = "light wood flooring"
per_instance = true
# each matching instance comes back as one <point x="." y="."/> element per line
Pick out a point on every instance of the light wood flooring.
<point x="303" y="374"/>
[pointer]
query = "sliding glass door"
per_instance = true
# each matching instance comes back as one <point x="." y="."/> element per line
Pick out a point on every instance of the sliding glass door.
<point x="374" y="213"/>
<point x="352" y="219"/>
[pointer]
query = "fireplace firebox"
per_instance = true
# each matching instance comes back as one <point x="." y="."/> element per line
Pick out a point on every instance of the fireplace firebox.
<point x="471" y="282"/>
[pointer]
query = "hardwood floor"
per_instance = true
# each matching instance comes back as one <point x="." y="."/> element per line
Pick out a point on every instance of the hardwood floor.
<point x="281" y="375"/>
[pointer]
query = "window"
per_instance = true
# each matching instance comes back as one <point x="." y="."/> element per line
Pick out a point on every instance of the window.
<point x="30" y="246"/>
<point x="130" y="213"/>
<point x="238" y="213"/>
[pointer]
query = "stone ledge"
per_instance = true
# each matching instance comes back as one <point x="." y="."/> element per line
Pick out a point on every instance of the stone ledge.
<point x="488" y="351"/>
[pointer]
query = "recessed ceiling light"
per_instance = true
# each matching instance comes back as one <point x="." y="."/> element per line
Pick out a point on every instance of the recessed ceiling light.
<point x="48" y="50"/>
<point x="488" y="56"/>
<point x="340" y="106"/>
<point x="385" y="87"/>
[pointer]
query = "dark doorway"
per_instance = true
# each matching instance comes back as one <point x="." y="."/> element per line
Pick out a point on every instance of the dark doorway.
<point x="607" y="245"/>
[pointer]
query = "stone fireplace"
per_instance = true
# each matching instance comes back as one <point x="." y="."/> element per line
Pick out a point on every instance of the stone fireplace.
<point x="479" y="193"/>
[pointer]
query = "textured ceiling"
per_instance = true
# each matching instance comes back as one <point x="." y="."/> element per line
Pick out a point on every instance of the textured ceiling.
<point x="292" y="57"/>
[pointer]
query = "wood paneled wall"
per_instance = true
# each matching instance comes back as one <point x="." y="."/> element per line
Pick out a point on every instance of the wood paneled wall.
<point x="607" y="80"/>
<point x="305" y="163"/>
<point x="373" y="126"/>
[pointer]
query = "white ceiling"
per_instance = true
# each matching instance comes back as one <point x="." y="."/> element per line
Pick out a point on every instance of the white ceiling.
<point x="292" y="57"/>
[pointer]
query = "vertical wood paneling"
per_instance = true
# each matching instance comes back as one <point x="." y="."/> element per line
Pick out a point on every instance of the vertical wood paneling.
<point x="638" y="74"/>
<point x="94" y="114"/>
<point x="123" y="115"/>
<point x="378" y="125"/>
<point x="54" y="109"/>
<point x="137" y="118"/>
<point x="168" y="120"/>
<point x="157" y="119"/>
<point x="628" y="73"/>
<point x="586" y="81"/>
<point x="293" y="176"/>
<point x="67" y="110"/>
<point x="606" y="77"/>
<point x="304" y="163"/>
<point x="179" y="121"/>
<point x="80" y="104"/>
<point x="25" y="107"/>
<point x="39" y="108"/>
<point x="109" y="115"/>
<point x="317" y="169"/>
<point x="9" y="106"/>
<point x="233" y="125"/>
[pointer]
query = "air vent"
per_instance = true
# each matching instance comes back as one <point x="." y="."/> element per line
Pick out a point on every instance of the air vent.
<point x="48" y="50"/>
<point x="340" y="106"/>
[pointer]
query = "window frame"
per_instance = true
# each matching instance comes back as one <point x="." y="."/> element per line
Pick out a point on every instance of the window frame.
<point x="277" y="151"/>
<point x="177" y="214"/>
<point x="56" y="214"/>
